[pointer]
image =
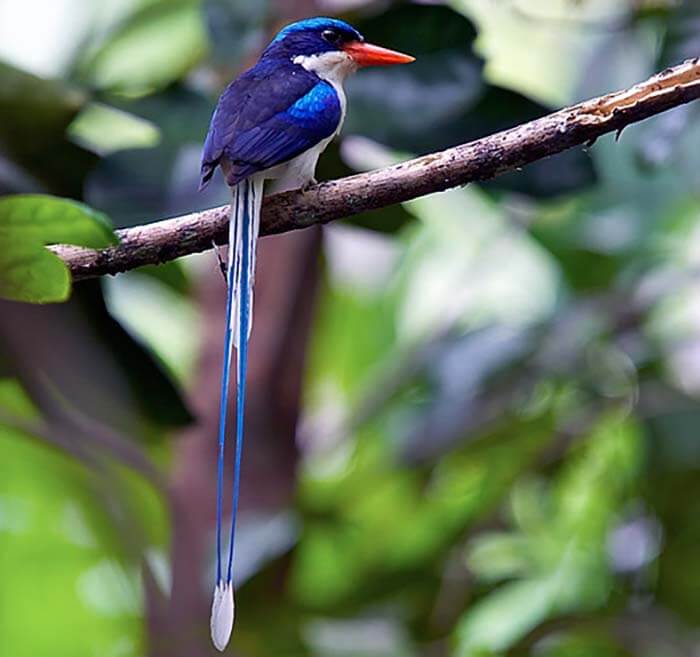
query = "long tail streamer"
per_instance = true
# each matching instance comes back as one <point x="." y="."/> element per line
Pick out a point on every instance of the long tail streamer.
<point x="244" y="227"/>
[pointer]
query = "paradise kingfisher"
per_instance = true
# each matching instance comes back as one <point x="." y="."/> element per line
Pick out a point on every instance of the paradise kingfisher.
<point x="272" y="122"/>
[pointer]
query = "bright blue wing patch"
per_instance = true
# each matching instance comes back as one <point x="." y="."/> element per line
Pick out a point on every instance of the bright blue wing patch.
<point x="319" y="105"/>
<point x="311" y="119"/>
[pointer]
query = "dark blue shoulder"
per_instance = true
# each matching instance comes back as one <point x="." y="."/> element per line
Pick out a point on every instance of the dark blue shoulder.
<point x="260" y="93"/>
<point x="307" y="121"/>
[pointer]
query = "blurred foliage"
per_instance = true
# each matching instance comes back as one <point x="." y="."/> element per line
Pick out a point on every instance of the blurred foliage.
<point x="28" y="272"/>
<point x="446" y="91"/>
<point x="34" y="116"/>
<point x="169" y="35"/>
<point x="499" y="453"/>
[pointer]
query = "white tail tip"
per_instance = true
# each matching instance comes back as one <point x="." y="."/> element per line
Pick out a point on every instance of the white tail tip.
<point x="222" y="615"/>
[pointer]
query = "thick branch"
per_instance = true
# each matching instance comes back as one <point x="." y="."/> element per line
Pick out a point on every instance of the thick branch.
<point x="478" y="160"/>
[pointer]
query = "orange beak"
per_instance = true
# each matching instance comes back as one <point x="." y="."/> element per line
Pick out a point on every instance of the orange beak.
<point x="365" y="54"/>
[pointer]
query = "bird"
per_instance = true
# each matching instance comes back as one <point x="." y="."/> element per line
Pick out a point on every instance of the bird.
<point x="271" y="123"/>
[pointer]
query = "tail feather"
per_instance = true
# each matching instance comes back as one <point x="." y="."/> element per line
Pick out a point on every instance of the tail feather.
<point x="243" y="234"/>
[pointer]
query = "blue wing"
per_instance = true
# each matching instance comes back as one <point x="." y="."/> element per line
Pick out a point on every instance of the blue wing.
<point x="268" y="117"/>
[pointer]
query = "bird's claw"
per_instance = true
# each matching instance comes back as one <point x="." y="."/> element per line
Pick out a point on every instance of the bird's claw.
<point x="308" y="185"/>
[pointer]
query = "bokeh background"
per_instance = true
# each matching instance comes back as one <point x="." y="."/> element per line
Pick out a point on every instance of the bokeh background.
<point x="473" y="424"/>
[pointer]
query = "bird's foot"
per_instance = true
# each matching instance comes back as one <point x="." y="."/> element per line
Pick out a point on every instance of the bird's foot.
<point x="308" y="185"/>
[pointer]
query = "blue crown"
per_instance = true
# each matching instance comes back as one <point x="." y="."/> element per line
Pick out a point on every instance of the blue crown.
<point x="318" y="24"/>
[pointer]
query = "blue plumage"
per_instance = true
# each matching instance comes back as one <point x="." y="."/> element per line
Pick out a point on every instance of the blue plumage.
<point x="308" y="29"/>
<point x="318" y="110"/>
<point x="254" y="110"/>
<point x="252" y="113"/>
<point x="285" y="135"/>
<point x="272" y="121"/>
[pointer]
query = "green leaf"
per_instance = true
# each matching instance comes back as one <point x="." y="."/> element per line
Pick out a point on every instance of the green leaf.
<point x="497" y="556"/>
<point x="561" y="567"/>
<point x="156" y="46"/>
<point x="589" y="640"/>
<point x="506" y="615"/>
<point x="138" y="185"/>
<point x="28" y="271"/>
<point x="59" y="521"/>
<point x="34" y="116"/>
<point x="104" y="130"/>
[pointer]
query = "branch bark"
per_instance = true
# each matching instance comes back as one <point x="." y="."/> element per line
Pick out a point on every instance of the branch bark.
<point x="476" y="161"/>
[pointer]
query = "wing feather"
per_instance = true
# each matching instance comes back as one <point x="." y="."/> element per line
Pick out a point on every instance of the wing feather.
<point x="266" y="118"/>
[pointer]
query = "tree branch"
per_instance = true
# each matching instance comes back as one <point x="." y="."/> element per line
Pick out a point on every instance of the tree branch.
<point x="476" y="161"/>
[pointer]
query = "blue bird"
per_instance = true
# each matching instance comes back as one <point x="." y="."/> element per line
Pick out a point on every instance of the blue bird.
<point x="272" y="122"/>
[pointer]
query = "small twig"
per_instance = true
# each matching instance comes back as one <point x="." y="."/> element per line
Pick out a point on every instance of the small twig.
<point x="479" y="160"/>
<point x="220" y="260"/>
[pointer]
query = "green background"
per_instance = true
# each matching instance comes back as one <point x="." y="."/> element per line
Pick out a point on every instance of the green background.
<point x="473" y="426"/>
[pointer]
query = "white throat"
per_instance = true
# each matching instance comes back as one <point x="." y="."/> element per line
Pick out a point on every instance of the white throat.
<point x="333" y="67"/>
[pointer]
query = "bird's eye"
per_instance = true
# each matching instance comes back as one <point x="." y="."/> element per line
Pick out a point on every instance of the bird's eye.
<point x="331" y="36"/>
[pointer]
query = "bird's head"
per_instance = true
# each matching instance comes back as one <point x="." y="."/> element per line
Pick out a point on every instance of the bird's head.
<point x="330" y="47"/>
